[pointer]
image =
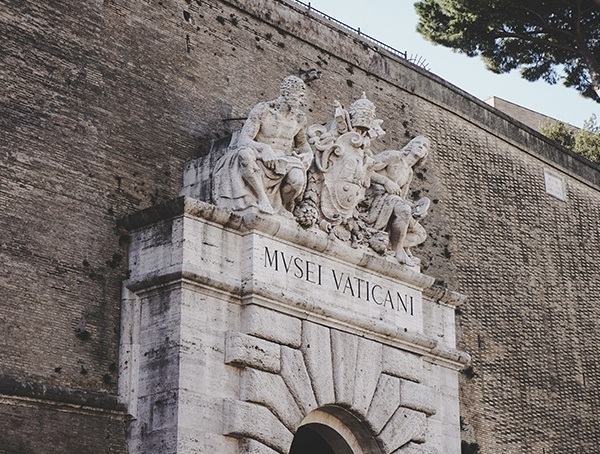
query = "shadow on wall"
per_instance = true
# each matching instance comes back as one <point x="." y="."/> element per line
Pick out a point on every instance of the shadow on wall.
<point x="469" y="448"/>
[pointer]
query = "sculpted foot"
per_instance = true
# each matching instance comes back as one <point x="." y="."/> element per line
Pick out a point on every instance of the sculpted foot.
<point x="404" y="258"/>
<point x="265" y="207"/>
<point x="285" y="213"/>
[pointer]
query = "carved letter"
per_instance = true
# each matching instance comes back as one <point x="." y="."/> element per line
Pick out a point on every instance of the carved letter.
<point x="388" y="298"/>
<point x="286" y="265"/>
<point x="349" y="285"/>
<point x="373" y="294"/>
<point x="271" y="259"/>
<point x="298" y="264"/>
<point x="337" y="282"/>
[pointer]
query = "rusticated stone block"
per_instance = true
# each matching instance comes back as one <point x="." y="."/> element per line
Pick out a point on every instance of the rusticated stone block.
<point x="406" y="425"/>
<point x="417" y="396"/>
<point x="271" y="391"/>
<point x="402" y="364"/>
<point x="244" y="350"/>
<point x="368" y="370"/>
<point x="271" y="325"/>
<point x="248" y="420"/>
<point x="385" y="402"/>
<point x="316" y="347"/>
<point x="295" y="374"/>
<point x="344" y="348"/>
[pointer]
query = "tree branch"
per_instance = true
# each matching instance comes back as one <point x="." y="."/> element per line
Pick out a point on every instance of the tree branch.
<point x="535" y="13"/>
<point x="545" y="26"/>
<point x="534" y="39"/>
<point x="577" y="19"/>
<point x="582" y="51"/>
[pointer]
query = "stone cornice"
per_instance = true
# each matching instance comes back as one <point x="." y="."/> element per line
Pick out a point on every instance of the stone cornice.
<point x="27" y="391"/>
<point x="285" y="229"/>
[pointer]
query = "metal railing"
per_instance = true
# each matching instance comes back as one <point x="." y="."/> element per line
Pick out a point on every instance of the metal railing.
<point x="357" y="31"/>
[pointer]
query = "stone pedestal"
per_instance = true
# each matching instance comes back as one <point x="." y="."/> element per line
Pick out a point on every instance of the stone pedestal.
<point x="237" y="331"/>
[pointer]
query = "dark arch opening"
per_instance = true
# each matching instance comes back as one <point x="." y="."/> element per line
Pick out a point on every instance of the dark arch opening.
<point x="319" y="439"/>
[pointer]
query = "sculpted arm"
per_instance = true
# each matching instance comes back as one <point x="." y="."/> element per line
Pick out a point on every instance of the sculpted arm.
<point x="302" y="146"/>
<point x="383" y="170"/>
<point x="251" y="129"/>
<point x="405" y="187"/>
<point x="251" y="126"/>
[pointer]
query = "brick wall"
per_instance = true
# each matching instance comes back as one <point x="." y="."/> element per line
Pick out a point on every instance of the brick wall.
<point x="104" y="101"/>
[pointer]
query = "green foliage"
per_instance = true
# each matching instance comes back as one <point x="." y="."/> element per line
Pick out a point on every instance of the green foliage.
<point x="559" y="132"/>
<point x="551" y="39"/>
<point x="585" y="141"/>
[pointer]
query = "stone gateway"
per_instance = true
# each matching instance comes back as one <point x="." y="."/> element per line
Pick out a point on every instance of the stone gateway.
<point x="266" y="337"/>
<point x="230" y="320"/>
<point x="276" y="332"/>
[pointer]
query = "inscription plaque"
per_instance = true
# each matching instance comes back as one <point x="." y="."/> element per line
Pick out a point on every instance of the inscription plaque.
<point x="555" y="185"/>
<point x="304" y="275"/>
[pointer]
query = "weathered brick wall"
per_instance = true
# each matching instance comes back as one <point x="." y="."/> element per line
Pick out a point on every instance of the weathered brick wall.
<point x="103" y="103"/>
<point x="35" y="427"/>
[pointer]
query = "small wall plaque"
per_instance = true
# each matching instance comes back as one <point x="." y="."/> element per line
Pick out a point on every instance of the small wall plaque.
<point x="555" y="185"/>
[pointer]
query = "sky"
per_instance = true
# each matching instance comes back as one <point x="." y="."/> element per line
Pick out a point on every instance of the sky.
<point x="394" y="22"/>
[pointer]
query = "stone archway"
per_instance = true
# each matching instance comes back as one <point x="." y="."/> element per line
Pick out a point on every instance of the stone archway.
<point x="333" y="430"/>
<point x="339" y="378"/>
<point x="319" y="439"/>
